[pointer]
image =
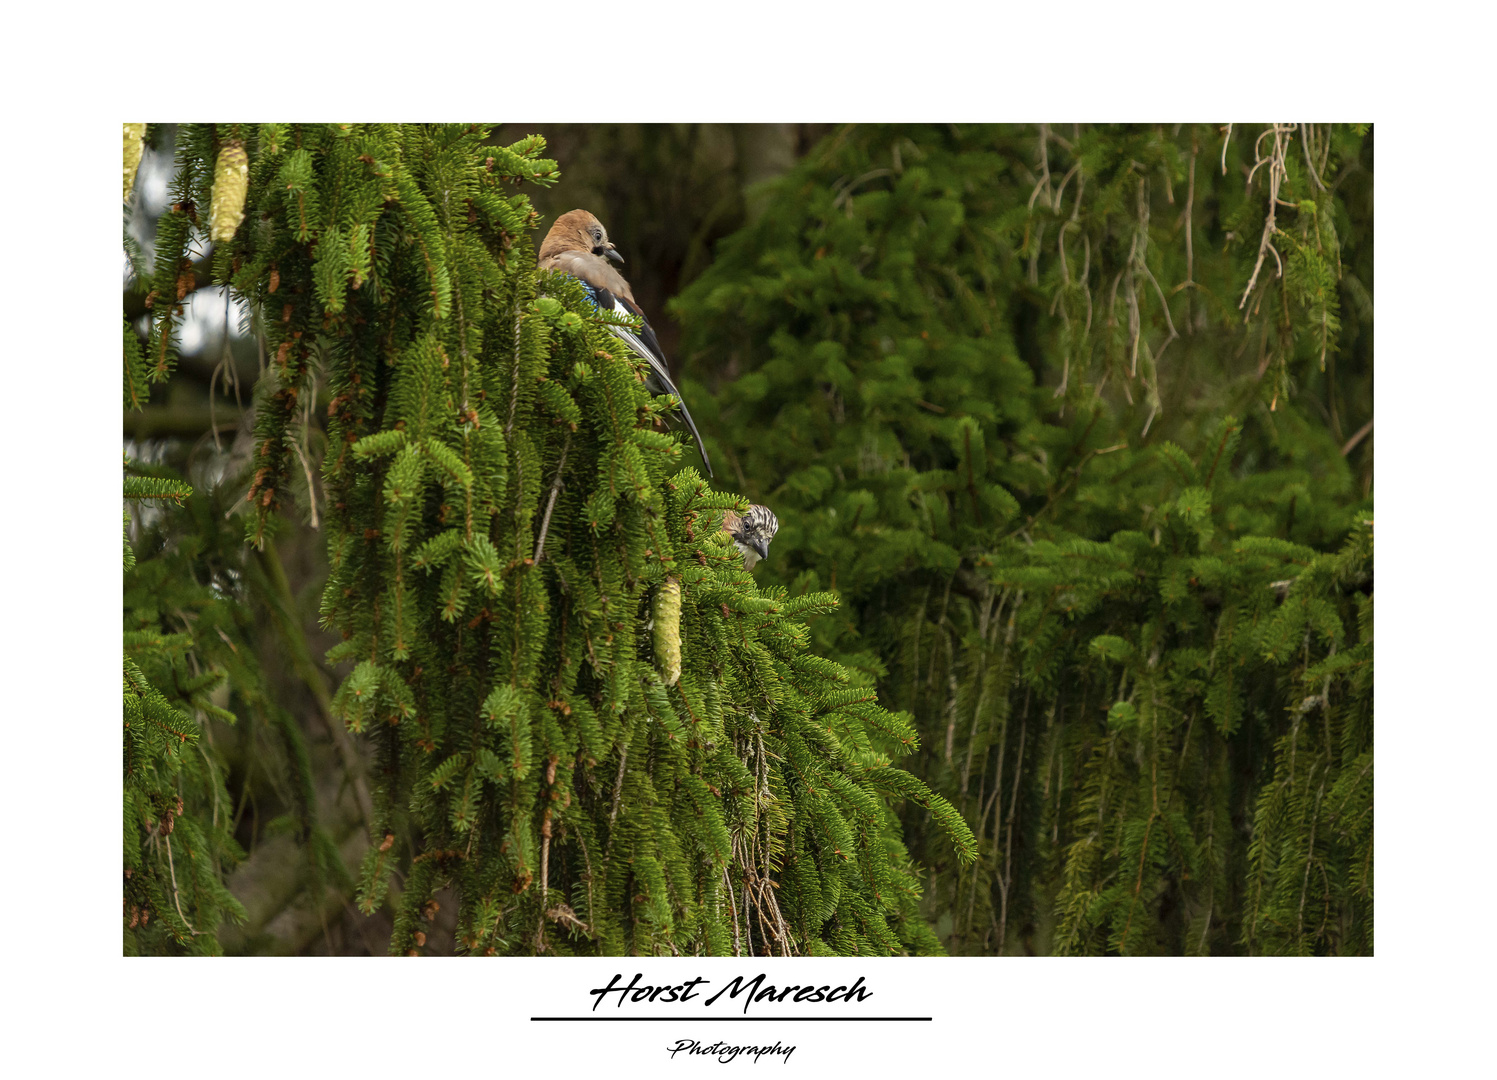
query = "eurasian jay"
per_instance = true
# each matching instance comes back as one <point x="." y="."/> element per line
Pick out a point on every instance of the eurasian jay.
<point x="752" y="532"/>
<point x="577" y="244"/>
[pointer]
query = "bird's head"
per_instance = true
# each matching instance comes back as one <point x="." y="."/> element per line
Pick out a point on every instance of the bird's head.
<point x="752" y="533"/>
<point x="578" y="230"/>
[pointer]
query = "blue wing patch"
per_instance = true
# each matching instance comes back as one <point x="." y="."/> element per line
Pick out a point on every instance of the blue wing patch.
<point x="647" y="345"/>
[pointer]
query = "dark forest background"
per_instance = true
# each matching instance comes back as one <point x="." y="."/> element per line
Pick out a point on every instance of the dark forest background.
<point x="1077" y="422"/>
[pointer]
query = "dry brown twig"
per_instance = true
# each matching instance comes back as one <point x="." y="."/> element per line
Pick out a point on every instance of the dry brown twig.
<point x="1065" y="268"/>
<point x="1044" y="181"/>
<point x="1060" y="192"/>
<point x="311" y="484"/>
<point x="1276" y="172"/>
<point x="172" y="869"/>
<point x="1305" y="130"/>
<point x="556" y="485"/>
<point x="225" y="366"/>
<point x="563" y="913"/>
<point x="733" y="907"/>
<point x="1362" y="433"/>
<point x="1190" y="199"/>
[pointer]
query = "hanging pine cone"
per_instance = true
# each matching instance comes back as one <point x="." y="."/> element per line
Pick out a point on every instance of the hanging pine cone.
<point x="135" y="140"/>
<point x="230" y="186"/>
<point x="668" y="630"/>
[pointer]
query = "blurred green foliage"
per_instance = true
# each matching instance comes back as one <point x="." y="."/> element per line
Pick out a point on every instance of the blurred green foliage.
<point x="1077" y="422"/>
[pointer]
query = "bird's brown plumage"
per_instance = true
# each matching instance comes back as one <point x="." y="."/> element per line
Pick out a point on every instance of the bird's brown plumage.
<point x="569" y="247"/>
<point x="577" y="244"/>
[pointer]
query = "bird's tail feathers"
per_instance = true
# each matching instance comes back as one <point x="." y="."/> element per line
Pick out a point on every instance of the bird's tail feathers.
<point x="660" y="373"/>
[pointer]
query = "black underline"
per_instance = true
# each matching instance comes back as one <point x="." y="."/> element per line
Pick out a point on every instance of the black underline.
<point x="733" y="1019"/>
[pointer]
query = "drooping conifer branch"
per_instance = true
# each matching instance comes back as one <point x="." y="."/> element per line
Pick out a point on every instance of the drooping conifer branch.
<point x="1008" y="365"/>
<point x="500" y="510"/>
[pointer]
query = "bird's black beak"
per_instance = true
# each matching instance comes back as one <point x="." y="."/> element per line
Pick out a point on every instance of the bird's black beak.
<point x="762" y="547"/>
<point x="612" y="255"/>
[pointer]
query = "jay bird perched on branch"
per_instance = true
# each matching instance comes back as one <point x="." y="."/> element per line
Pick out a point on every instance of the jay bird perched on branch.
<point x="577" y="244"/>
